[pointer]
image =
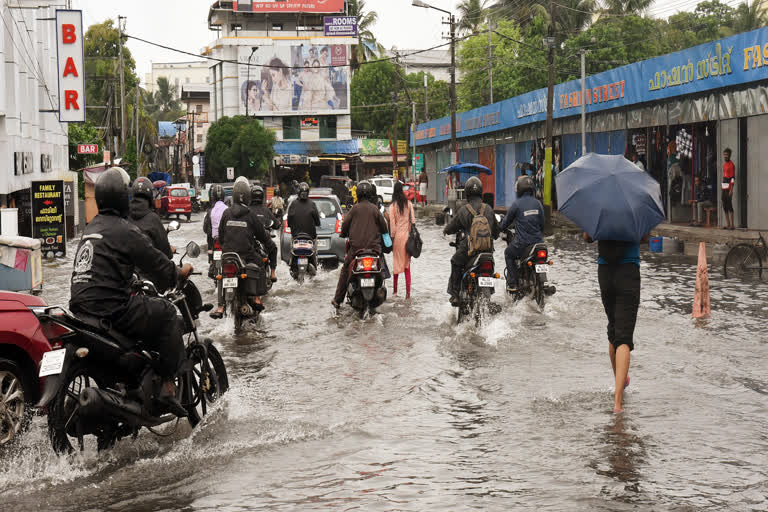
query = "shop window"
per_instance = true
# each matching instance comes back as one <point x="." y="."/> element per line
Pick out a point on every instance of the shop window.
<point x="328" y="127"/>
<point x="291" y="128"/>
<point x="198" y="108"/>
<point x="199" y="137"/>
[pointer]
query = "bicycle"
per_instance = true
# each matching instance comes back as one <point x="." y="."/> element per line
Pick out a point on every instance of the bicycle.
<point x="746" y="260"/>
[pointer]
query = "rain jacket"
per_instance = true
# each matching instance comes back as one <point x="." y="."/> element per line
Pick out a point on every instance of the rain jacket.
<point x="150" y="224"/>
<point x="265" y="215"/>
<point x="303" y="217"/>
<point x="462" y="221"/>
<point x="239" y="230"/>
<point x="528" y="215"/>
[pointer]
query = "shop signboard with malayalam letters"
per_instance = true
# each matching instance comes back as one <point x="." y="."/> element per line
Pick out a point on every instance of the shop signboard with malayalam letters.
<point x="48" y="223"/>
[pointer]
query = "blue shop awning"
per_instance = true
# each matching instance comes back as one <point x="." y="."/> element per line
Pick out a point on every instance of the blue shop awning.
<point x="329" y="147"/>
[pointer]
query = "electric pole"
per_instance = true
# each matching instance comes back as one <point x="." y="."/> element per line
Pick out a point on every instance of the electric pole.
<point x="490" y="63"/>
<point x="122" y="86"/>
<point x="583" y="103"/>
<point x="550" y="111"/>
<point x="137" y="130"/>
<point x="394" y="128"/>
<point x="426" y="101"/>
<point x="454" y="145"/>
<point x="413" y="144"/>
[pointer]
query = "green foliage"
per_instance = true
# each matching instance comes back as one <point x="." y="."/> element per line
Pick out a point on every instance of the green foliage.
<point x="471" y="14"/>
<point x="83" y="133"/>
<point x="241" y="143"/>
<point x="368" y="47"/>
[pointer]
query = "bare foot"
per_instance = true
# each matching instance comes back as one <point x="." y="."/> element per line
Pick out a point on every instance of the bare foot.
<point x="617" y="411"/>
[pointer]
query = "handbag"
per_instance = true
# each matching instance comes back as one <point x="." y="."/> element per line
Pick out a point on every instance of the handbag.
<point x="386" y="242"/>
<point x="414" y="244"/>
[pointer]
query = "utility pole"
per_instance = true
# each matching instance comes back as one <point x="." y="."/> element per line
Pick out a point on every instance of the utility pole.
<point x="137" y="130"/>
<point x="413" y="144"/>
<point x="122" y="87"/>
<point x="583" y="103"/>
<point x="550" y="111"/>
<point x="396" y="78"/>
<point x="454" y="145"/>
<point x="490" y="63"/>
<point x="426" y="101"/>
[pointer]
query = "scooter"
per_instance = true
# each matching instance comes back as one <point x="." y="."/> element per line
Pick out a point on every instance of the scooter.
<point x="302" y="257"/>
<point x="532" y="271"/>
<point x="366" y="290"/>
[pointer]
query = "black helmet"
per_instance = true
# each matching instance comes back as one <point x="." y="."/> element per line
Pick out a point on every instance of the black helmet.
<point x="216" y="194"/>
<point x="373" y="196"/>
<point x="303" y="191"/>
<point x="364" y="191"/>
<point x="524" y="185"/>
<point x="142" y="187"/>
<point x="257" y="194"/>
<point x="112" y="191"/>
<point x="241" y="192"/>
<point x="473" y="187"/>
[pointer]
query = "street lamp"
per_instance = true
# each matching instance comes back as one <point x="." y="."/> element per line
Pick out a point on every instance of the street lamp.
<point x="452" y="23"/>
<point x="248" y="77"/>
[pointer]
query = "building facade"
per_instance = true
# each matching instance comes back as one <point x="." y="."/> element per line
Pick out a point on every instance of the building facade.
<point x="197" y="102"/>
<point x="292" y="74"/>
<point x="179" y="75"/>
<point x="435" y="62"/>
<point x="678" y="112"/>
<point x="33" y="143"/>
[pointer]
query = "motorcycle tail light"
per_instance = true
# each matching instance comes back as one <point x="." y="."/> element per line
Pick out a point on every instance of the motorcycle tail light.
<point x="286" y="229"/>
<point x="367" y="264"/>
<point x="230" y="269"/>
<point x="541" y="254"/>
<point x="216" y="245"/>
<point x="486" y="266"/>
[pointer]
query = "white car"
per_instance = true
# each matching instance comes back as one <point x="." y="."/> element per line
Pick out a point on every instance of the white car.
<point x="385" y="185"/>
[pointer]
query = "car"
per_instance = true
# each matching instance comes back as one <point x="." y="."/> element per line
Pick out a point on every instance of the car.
<point x="23" y="342"/>
<point x="409" y="189"/>
<point x="385" y="185"/>
<point x="340" y="186"/>
<point x="175" y="201"/>
<point x="331" y="248"/>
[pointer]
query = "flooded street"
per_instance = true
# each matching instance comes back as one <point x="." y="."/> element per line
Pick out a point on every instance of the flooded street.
<point x="409" y="411"/>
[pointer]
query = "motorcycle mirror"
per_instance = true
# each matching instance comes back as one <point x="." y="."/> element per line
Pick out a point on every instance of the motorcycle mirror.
<point x="193" y="250"/>
<point x="172" y="226"/>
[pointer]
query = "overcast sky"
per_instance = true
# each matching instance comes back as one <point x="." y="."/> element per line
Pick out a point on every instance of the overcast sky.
<point x="184" y="24"/>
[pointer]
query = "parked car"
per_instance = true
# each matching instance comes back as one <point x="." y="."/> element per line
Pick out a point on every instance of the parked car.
<point x="340" y="186"/>
<point x="330" y="246"/>
<point x="175" y="201"/>
<point x="23" y="342"/>
<point x="385" y="185"/>
<point x="409" y="189"/>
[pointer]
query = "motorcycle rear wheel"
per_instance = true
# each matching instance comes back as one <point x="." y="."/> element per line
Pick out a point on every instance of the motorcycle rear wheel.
<point x="538" y="291"/>
<point x="207" y="381"/>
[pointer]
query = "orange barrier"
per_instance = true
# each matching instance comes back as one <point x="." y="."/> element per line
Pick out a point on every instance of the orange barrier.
<point x="701" y="297"/>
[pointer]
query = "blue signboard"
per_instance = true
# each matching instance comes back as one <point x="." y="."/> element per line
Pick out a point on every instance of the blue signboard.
<point x="736" y="60"/>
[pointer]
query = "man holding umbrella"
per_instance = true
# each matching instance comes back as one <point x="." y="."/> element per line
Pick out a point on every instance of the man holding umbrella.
<point x="616" y="204"/>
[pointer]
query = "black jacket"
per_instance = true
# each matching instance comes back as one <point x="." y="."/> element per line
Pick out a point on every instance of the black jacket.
<point x="239" y="230"/>
<point x="303" y="217"/>
<point x="149" y="223"/>
<point x="528" y="215"/>
<point x="265" y="215"/>
<point x="106" y="258"/>
<point x="462" y="222"/>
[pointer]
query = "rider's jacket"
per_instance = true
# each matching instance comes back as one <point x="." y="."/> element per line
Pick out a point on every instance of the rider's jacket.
<point x="150" y="224"/>
<point x="364" y="225"/>
<point x="265" y="215"/>
<point x="239" y="230"/>
<point x="462" y="221"/>
<point x="303" y="217"/>
<point x="528" y="215"/>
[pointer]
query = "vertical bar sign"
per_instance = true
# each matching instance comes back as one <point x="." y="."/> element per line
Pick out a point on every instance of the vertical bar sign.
<point x="71" y="65"/>
<point x="48" y="223"/>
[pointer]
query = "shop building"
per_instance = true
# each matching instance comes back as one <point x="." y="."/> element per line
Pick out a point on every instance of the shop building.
<point x="290" y="71"/>
<point x="678" y="112"/>
<point x="179" y="75"/>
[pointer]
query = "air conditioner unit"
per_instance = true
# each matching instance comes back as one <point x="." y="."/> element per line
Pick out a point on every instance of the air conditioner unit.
<point x="18" y="163"/>
<point x="29" y="165"/>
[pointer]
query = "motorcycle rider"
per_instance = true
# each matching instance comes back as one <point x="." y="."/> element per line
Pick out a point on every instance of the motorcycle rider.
<point x="108" y="253"/>
<point x="238" y="229"/>
<point x="363" y="226"/>
<point x="145" y="218"/>
<point x="462" y="222"/>
<point x="303" y="217"/>
<point x="213" y="217"/>
<point x="527" y="214"/>
<point x="269" y="221"/>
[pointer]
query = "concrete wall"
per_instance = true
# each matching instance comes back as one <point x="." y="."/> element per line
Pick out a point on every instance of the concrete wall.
<point x="757" y="172"/>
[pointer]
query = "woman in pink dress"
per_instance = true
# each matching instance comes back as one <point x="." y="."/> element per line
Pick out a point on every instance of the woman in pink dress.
<point x="400" y="216"/>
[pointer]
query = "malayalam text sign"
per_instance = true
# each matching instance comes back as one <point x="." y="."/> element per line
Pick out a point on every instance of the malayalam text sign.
<point x="340" y="26"/>
<point x="71" y="67"/>
<point x="48" y="223"/>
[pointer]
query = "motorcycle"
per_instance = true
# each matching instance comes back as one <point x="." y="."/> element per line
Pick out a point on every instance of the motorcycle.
<point x="103" y="384"/>
<point x="366" y="290"/>
<point x="240" y="282"/>
<point x="478" y="284"/>
<point x="303" y="252"/>
<point x="532" y="271"/>
<point x="195" y="202"/>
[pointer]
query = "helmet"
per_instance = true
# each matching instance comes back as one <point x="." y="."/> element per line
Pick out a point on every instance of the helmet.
<point x="303" y="191"/>
<point x="257" y="194"/>
<point x="373" y="196"/>
<point x="524" y="185"/>
<point x="216" y="194"/>
<point x="364" y="191"/>
<point x="473" y="187"/>
<point x="112" y="191"/>
<point x="142" y="187"/>
<point x="241" y="192"/>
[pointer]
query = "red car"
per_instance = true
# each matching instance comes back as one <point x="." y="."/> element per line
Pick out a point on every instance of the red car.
<point x="175" y="201"/>
<point x="23" y="341"/>
<point x="409" y="189"/>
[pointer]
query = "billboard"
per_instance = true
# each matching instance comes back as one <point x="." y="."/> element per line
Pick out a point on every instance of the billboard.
<point x="71" y="67"/>
<point x="288" y="6"/>
<point x="340" y="26"/>
<point x="48" y="216"/>
<point x="294" y="80"/>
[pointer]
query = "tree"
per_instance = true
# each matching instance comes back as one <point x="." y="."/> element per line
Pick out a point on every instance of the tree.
<point x="626" y="7"/>
<point x="749" y="16"/>
<point x="82" y="133"/>
<point x="164" y="105"/>
<point x="368" y="47"/>
<point x="241" y="143"/>
<point x="471" y="16"/>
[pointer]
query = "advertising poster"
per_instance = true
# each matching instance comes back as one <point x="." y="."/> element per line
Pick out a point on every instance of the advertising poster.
<point x="334" y="26"/>
<point x="294" y="80"/>
<point x="48" y="216"/>
<point x="288" y="6"/>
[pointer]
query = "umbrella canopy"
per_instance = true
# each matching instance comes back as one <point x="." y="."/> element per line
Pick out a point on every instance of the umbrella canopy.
<point x="159" y="184"/>
<point x="610" y="198"/>
<point x="470" y="168"/>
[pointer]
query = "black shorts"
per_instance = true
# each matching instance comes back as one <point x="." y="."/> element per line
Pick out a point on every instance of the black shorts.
<point x="620" y="291"/>
<point x="727" y="201"/>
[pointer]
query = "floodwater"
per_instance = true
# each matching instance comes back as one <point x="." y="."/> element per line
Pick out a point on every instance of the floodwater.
<point x="409" y="411"/>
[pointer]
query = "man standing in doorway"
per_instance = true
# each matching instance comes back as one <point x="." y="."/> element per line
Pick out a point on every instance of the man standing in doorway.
<point x="423" y="183"/>
<point x="729" y="180"/>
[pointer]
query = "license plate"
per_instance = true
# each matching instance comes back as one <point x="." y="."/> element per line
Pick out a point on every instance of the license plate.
<point x="179" y="209"/>
<point x="53" y="362"/>
<point x="230" y="282"/>
<point x="323" y="244"/>
<point x="542" y="269"/>
<point x="367" y="282"/>
<point x="485" y="282"/>
<point x="303" y="261"/>
<point x="216" y="255"/>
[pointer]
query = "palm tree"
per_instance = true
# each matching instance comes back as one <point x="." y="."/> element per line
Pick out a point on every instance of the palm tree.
<point x="750" y="16"/>
<point x="523" y="12"/>
<point x="622" y="7"/>
<point x="368" y="47"/>
<point x="165" y="96"/>
<point x="472" y="14"/>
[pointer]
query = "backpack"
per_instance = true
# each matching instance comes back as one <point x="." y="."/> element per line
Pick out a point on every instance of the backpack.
<point x="480" y="238"/>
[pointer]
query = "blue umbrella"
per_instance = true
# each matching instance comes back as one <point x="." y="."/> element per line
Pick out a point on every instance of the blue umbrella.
<point x="471" y="168"/>
<point x="610" y="198"/>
